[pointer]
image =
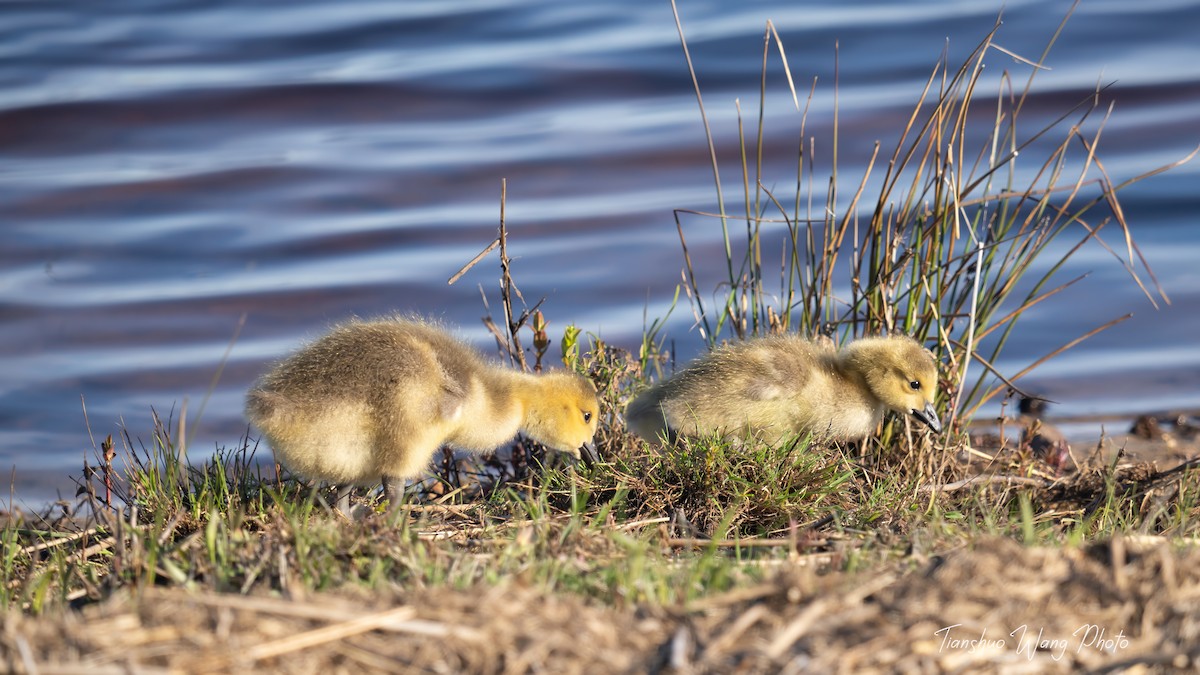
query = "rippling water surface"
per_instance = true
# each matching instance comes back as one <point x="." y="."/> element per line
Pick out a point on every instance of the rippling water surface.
<point x="167" y="168"/>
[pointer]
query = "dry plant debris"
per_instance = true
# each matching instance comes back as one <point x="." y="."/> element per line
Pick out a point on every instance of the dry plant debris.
<point x="998" y="605"/>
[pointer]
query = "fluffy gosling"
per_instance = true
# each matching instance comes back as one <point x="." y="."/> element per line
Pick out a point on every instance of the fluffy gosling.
<point x="784" y="385"/>
<point x="373" y="400"/>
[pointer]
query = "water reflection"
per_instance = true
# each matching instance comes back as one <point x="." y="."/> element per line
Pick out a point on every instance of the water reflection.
<point x="165" y="173"/>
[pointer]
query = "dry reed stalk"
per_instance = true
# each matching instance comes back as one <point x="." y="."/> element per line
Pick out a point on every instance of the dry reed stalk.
<point x="474" y="261"/>
<point x="318" y="636"/>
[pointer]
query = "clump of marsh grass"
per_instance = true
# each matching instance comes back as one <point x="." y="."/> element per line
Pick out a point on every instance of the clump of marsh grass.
<point x="158" y="479"/>
<point x="717" y="485"/>
<point x="976" y="214"/>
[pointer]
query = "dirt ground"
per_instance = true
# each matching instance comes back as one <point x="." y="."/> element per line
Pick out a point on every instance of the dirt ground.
<point x="1129" y="604"/>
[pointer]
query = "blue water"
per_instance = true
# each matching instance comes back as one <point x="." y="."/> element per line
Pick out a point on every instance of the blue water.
<point x="168" y="168"/>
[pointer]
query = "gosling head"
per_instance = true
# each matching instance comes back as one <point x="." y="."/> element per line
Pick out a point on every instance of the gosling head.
<point x="900" y="373"/>
<point x="564" y="413"/>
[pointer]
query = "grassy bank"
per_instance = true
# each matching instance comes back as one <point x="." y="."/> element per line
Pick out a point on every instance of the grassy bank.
<point x="695" y="557"/>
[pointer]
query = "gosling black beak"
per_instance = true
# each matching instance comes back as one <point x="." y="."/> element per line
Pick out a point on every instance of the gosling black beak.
<point x="928" y="416"/>
<point x="589" y="455"/>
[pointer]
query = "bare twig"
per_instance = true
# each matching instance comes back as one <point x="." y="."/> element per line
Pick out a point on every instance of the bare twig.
<point x="474" y="261"/>
<point x="983" y="480"/>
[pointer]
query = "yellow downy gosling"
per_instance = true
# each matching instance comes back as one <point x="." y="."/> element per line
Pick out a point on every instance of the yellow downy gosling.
<point x="784" y="385"/>
<point x="373" y="400"/>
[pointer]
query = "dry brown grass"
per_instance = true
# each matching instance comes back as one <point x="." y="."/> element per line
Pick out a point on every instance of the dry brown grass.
<point x="994" y="605"/>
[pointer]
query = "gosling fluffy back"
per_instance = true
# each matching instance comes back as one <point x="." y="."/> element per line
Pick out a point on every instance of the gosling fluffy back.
<point x="376" y="399"/>
<point x="784" y="385"/>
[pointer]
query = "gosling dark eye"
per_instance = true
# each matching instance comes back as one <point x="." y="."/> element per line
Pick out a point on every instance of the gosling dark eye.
<point x="587" y="417"/>
<point x="914" y="385"/>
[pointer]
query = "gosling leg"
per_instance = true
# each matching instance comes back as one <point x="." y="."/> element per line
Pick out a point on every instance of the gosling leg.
<point x="343" y="498"/>
<point x="394" y="491"/>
